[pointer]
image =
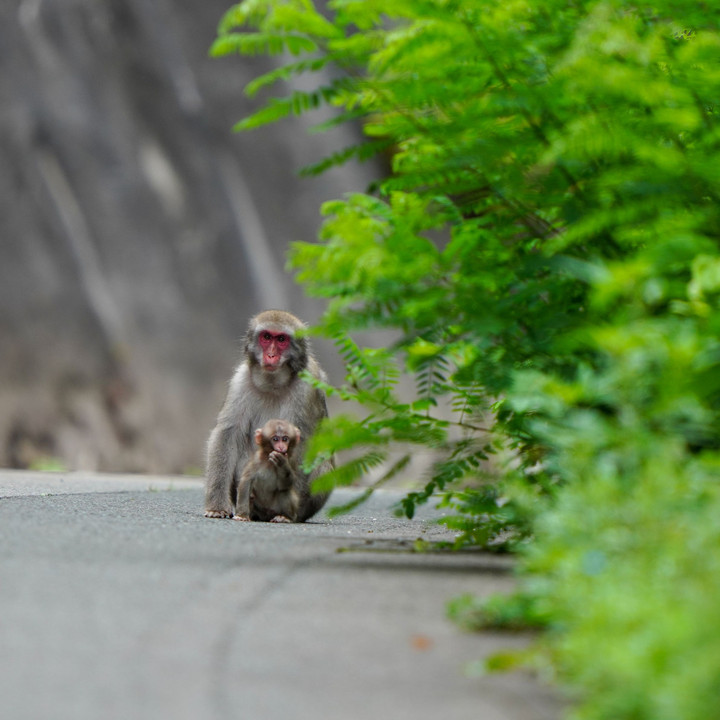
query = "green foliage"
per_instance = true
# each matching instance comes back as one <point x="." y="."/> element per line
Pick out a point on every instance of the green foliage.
<point x="515" y="612"/>
<point x="546" y="252"/>
<point x="48" y="464"/>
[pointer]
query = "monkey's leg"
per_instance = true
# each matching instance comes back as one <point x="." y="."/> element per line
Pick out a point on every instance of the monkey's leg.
<point x="286" y="506"/>
<point x="310" y="503"/>
<point x="242" y="508"/>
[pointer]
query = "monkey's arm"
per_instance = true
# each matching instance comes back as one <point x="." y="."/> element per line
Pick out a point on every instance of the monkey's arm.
<point x="227" y="451"/>
<point x="286" y="473"/>
<point x="222" y="460"/>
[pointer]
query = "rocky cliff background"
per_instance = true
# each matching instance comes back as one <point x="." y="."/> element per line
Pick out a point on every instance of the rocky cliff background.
<point x="137" y="232"/>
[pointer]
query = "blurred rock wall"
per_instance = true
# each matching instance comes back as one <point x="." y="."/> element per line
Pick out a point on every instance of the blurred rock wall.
<point x="137" y="232"/>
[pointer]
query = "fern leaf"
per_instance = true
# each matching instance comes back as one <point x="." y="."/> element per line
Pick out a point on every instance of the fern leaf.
<point x="245" y="12"/>
<point x="362" y="152"/>
<point x="392" y="472"/>
<point x="305" y="20"/>
<point x="349" y="472"/>
<point x="351" y="505"/>
<point x="260" y="43"/>
<point x="285" y="73"/>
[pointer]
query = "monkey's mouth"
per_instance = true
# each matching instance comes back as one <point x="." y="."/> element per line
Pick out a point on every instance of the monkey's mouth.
<point x="270" y="362"/>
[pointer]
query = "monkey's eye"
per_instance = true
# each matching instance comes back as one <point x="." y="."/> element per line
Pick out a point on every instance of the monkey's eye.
<point x="275" y="438"/>
<point x="267" y="336"/>
<point x="281" y="338"/>
<point x="285" y="439"/>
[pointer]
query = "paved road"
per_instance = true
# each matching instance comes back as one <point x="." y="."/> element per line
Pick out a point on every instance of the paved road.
<point x="118" y="600"/>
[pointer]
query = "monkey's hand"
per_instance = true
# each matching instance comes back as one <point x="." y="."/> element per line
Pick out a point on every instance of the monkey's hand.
<point x="280" y="519"/>
<point x="218" y="513"/>
<point x="279" y="460"/>
<point x="242" y="518"/>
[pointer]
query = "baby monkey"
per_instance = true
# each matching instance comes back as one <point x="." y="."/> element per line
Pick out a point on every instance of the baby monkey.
<point x="269" y="487"/>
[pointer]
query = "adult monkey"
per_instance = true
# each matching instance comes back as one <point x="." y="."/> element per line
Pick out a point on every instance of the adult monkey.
<point x="265" y="386"/>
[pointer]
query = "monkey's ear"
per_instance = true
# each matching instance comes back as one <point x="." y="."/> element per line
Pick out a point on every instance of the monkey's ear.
<point x="258" y="436"/>
<point x="297" y="435"/>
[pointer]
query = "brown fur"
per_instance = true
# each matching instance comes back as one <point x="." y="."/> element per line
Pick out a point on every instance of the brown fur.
<point x="270" y="487"/>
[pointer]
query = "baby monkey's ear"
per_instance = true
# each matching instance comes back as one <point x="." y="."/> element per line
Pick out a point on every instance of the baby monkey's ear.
<point x="258" y="436"/>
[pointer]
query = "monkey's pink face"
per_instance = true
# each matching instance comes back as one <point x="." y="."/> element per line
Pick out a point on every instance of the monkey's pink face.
<point x="280" y="443"/>
<point x="273" y="345"/>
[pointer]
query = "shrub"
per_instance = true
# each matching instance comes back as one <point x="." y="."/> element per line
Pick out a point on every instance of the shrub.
<point x="546" y="249"/>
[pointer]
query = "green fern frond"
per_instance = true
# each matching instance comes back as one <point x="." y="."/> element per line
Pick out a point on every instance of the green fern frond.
<point x="349" y="506"/>
<point x="261" y="43"/>
<point x="396" y="468"/>
<point x="349" y="472"/>
<point x="297" y="103"/>
<point x="285" y="73"/>
<point x="341" y="118"/>
<point x="362" y="152"/>
<point x="303" y="18"/>
<point x="368" y="367"/>
<point x="244" y="13"/>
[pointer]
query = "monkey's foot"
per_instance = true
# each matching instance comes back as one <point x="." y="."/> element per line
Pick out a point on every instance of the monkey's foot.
<point x="242" y="518"/>
<point x="281" y="518"/>
<point x="218" y="513"/>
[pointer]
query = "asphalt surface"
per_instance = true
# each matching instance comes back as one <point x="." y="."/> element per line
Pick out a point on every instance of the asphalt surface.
<point x="119" y="600"/>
